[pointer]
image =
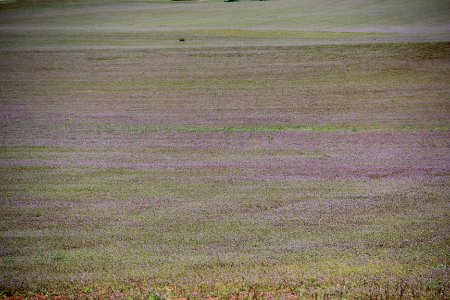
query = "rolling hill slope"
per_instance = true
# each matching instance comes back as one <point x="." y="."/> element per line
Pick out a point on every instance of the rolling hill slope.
<point x="276" y="22"/>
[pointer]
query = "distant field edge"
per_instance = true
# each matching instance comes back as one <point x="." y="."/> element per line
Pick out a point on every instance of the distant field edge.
<point x="445" y="43"/>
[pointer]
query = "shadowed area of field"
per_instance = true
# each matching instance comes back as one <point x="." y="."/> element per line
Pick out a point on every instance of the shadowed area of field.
<point x="242" y="164"/>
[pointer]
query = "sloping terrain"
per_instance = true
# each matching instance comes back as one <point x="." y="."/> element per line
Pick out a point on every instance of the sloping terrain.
<point x="163" y="23"/>
<point x="295" y="149"/>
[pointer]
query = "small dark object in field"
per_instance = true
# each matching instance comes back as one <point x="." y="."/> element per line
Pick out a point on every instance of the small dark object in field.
<point x="181" y="40"/>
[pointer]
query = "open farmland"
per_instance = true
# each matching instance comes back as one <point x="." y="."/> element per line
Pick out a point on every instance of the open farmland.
<point x="284" y="149"/>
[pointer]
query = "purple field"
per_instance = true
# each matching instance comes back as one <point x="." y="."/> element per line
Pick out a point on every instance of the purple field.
<point x="245" y="172"/>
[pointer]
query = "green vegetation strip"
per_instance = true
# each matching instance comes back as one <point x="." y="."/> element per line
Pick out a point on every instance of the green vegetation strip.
<point x="147" y="128"/>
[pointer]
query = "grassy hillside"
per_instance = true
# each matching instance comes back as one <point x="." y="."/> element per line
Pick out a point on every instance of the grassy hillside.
<point x="163" y="23"/>
<point x="295" y="149"/>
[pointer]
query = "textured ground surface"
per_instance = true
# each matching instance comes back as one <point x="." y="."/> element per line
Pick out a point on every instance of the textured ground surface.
<point x="131" y="165"/>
